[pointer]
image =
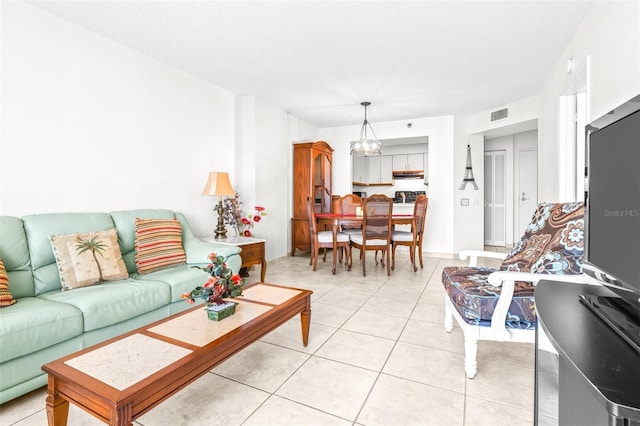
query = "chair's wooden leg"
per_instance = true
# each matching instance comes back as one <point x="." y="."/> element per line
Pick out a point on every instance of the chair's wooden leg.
<point x="413" y="257"/>
<point x="363" y="256"/>
<point x="393" y="256"/>
<point x="388" y="263"/>
<point x="420" y="254"/>
<point x="315" y="258"/>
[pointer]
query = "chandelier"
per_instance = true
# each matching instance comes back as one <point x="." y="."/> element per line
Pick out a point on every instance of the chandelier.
<point x="365" y="146"/>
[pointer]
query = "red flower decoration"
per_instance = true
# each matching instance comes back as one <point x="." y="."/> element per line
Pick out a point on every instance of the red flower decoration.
<point x="220" y="284"/>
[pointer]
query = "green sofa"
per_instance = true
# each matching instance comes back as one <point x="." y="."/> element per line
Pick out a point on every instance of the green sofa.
<point x="47" y="323"/>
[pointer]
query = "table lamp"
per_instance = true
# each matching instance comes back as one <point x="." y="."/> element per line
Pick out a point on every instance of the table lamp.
<point x="218" y="184"/>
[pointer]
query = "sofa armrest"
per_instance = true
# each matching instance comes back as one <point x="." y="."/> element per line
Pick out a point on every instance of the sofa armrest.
<point x="507" y="280"/>
<point x="198" y="254"/>
<point x="473" y="256"/>
<point x="198" y="251"/>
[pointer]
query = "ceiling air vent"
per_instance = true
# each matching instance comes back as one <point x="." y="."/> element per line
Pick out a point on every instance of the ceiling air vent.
<point x="500" y="114"/>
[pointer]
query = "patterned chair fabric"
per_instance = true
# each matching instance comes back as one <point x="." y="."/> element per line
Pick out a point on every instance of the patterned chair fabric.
<point x="553" y="243"/>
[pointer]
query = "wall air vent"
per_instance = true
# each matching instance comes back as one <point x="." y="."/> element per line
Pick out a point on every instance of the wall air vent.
<point x="500" y="114"/>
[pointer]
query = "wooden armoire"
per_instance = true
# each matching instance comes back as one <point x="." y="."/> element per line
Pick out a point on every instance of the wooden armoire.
<point x="311" y="178"/>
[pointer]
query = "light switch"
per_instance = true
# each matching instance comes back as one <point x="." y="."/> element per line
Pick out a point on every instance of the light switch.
<point x="464" y="201"/>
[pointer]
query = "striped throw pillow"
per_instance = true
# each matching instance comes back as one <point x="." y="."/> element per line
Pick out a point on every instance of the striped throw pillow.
<point x="158" y="244"/>
<point x="5" y="295"/>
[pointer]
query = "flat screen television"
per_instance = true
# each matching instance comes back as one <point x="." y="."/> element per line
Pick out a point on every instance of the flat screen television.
<point x="612" y="218"/>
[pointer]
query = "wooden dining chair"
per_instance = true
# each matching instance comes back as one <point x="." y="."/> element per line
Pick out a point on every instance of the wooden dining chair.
<point x="376" y="229"/>
<point x="412" y="238"/>
<point x="348" y="205"/>
<point x="324" y="239"/>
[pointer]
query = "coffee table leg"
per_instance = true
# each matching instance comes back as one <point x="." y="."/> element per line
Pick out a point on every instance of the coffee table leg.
<point x="122" y="416"/>
<point x="57" y="407"/>
<point x="305" y="320"/>
<point x="263" y="270"/>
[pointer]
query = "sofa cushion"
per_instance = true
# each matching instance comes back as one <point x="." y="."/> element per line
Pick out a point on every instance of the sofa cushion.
<point x="88" y="258"/>
<point x="114" y="301"/>
<point x="475" y="299"/>
<point x="181" y="279"/>
<point x="5" y="295"/>
<point x="158" y="244"/>
<point x="34" y="323"/>
<point x="553" y="242"/>
<point x="14" y="252"/>
<point x="39" y="227"/>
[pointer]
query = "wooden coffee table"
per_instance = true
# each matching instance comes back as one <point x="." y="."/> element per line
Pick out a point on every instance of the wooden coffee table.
<point x="119" y="380"/>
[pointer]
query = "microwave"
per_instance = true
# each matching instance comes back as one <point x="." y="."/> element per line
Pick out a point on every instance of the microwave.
<point x="361" y="194"/>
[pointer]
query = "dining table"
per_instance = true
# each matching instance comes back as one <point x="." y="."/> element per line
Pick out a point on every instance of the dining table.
<point x="335" y="220"/>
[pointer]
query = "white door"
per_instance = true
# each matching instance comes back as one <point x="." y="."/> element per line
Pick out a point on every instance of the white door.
<point x="526" y="189"/>
<point x="494" y="198"/>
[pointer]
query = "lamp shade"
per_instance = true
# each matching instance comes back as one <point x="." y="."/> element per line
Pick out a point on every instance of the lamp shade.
<point x="218" y="184"/>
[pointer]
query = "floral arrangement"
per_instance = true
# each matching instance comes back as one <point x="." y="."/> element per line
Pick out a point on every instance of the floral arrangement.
<point x="235" y="217"/>
<point x="222" y="283"/>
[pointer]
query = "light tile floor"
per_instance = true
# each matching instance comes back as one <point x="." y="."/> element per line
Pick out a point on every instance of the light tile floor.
<point x="377" y="355"/>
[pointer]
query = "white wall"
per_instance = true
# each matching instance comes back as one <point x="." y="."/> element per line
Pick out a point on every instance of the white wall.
<point x="521" y="112"/>
<point x="468" y="224"/>
<point x="90" y="125"/>
<point x="440" y="131"/>
<point x="608" y="41"/>
<point x="608" y="44"/>
<point x="271" y="152"/>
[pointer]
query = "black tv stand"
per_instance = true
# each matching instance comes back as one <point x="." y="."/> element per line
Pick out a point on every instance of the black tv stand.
<point x="596" y="373"/>
<point x="623" y="318"/>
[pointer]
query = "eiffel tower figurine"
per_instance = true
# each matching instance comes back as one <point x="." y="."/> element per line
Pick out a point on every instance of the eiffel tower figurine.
<point x="468" y="172"/>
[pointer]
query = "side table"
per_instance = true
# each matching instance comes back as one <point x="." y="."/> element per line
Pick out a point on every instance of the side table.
<point x="252" y="252"/>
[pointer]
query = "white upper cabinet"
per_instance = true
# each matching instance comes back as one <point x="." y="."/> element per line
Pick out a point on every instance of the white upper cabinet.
<point x="380" y="169"/>
<point x="408" y="161"/>
<point x="360" y="169"/>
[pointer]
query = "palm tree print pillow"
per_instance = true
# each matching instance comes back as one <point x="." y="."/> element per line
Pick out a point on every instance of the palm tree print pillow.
<point x="88" y="258"/>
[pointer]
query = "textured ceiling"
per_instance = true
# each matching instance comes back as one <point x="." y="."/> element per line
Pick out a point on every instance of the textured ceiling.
<point x="320" y="59"/>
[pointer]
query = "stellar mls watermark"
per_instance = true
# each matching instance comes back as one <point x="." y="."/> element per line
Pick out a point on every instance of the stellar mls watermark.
<point x="622" y="213"/>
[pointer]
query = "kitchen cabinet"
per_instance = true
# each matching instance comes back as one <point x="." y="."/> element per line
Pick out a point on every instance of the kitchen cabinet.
<point x="408" y="161"/>
<point x="360" y="170"/>
<point x="312" y="176"/>
<point x="380" y="170"/>
<point x="373" y="170"/>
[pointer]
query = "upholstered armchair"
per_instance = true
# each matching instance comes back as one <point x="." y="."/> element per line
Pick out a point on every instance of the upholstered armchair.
<point x="497" y="304"/>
